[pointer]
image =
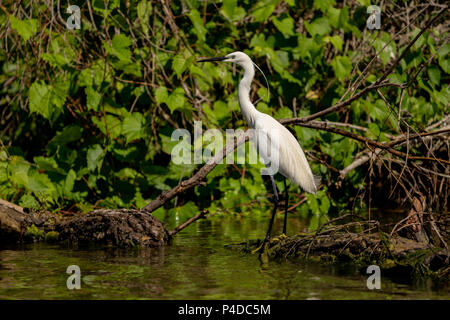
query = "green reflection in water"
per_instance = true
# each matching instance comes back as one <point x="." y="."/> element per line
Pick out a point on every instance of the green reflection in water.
<point x="195" y="266"/>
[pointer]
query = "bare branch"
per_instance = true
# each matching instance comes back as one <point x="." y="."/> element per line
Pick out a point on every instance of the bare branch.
<point x="188" y="222"/>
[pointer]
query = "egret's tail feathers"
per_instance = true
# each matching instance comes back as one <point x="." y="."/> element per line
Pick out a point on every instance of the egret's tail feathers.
<point x="310" y="185"/>
<point x="313" y="184"/>
<point x="317" y="180"/>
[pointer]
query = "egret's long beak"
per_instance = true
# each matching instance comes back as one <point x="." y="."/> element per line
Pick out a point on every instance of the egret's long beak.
<point x="212" y="59"/>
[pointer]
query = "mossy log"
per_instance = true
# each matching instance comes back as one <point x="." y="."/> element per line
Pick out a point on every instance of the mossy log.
<point x="395" y="255"/>
<point x="122" y="228"/>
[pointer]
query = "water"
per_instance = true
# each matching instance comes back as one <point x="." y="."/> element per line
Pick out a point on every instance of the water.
<point x="196" y="266"/>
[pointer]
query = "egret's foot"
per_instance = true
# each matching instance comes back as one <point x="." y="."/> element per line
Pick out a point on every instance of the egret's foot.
<point x="278" y="238"/>
<point x="260" y="248"/>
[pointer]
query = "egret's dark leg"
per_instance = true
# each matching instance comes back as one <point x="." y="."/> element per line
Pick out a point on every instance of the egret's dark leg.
<point x="286" y="201"/>
<point x="260" y="249"/>
<point x="274" y="211"/>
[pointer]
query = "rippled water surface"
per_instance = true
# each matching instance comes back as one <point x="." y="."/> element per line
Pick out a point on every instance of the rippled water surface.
<point x="196" y="266"/>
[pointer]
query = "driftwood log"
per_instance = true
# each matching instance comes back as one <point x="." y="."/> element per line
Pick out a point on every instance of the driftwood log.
<point x="121" y="228"/>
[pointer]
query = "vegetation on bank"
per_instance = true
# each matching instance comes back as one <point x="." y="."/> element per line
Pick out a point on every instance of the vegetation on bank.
<point x="87" y="115"/>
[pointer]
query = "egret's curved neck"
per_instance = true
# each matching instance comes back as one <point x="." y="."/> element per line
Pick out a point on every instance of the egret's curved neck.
<point x="247" y="108"/>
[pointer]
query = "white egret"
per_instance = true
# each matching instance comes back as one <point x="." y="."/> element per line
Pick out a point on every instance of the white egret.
<point x="292" y="161"/>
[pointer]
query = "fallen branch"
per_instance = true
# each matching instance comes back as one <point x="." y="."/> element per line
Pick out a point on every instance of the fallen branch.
<point x="201" y="215"/>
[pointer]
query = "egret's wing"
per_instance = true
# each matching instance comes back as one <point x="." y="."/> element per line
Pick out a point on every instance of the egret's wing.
<point x="291" y="158"/>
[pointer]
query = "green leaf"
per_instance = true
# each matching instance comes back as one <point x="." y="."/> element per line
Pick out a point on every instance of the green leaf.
<point x="48" y="165"/>
<point x="69" y="182"/>
<point x="364" y="3"/>
<point x="109" y="125"/>
<point x="324" y="204"/>
<point x="324" y="5"/>
<point x="197" y="21"/>
<point x="378" y="110"/>
<point x="187" y="211"/>
<point x="28" y="201"/>
<point x="120" y="47"/>
<point x="19" y="171"/>
<point x="139" y="199"/>
<point x="45" y="99"/>
<point x="94" y="157"/>
<point x="126" y="173"/>
<point x="434" y="74"/>
<point x="228" y="8"/>
<point x="144" y="10"/>
<point x="232" y="11"/>
<point x="176" y="99"/>
<point x="389" y="51"/>
<point x="96" y="75"/>
<point x="306" y="46"/>
<point x="336" y="41"/>
<point x="68" y="134"/>
<point x="41" y="185"/>
<point x="59" y="93"/>
<point x="161" y="95"/>
<point x="221" y="111"/>
<point x="319" y="26"/>
<point x="374" y="131"/>
<point x="179" y="64"/>
<point x="128" y="67"/>
<point x="93" y="98"/>
<point x="40" y="99"/>
<point x="284" y="112"/>
<point x="263" y="9"/>
<point x="133" y="126"/>
<point x="342" y="67"/>
<point x="285" y="26"/>
<point x="313" y="223"/>
<point x="444" y="60"/>
<point x="25" y="28"/>
<point x="61" y="52"/>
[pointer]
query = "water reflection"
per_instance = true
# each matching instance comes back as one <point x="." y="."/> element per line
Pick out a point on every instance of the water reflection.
<point x="196" y="266"/>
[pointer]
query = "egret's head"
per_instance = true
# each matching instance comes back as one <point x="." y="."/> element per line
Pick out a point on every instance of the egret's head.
<point x="237" y="57"/>
<point x="244" y="61"/>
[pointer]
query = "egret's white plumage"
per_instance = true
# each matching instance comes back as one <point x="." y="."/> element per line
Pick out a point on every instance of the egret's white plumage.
<point x="292" y="161"/>
<point x="272" y="140"/>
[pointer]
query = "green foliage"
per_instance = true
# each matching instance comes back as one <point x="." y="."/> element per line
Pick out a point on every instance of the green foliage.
<point x="34" y="233"/>
<point x="87" y="115"/>
<point x="25" y="28"/>
<point x="342" y="67"/>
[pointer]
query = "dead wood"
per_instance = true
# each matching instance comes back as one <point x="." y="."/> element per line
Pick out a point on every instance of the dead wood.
<point x="121" y="228"/>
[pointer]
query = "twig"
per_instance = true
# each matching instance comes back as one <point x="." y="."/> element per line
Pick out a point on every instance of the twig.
<point x="201" y="215"/>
